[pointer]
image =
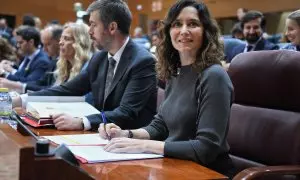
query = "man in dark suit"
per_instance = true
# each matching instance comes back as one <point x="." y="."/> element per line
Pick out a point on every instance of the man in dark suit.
<point x="50" y="37"/>
<point x="121" y="76"/>
<point x="35" y="61"/>
<point x="253" y="25"/>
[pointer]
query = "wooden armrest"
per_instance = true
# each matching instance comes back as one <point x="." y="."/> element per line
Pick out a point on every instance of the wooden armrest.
<point x="256" y="172"/>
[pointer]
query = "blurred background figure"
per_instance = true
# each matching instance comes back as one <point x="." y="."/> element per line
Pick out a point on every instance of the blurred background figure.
<point x="253" y="24"/>
<point x="28" y="20"/>
<point x="35" y="61"/>
<point x="38" y="22"/>
<point x="53" y="21"/>
<point x="155" y="40"/>
<point x="240" y="13"/>
<point x="237" y="32"/>
<point x="140" y="38"/>
<point x="50" y="37"/>
<point x="293" y="31"/>
<point x="5" y="31"/>
<point x="74" y="49"/>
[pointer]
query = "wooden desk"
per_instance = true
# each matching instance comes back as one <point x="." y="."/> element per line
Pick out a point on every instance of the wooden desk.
<point x="157" y="169"/>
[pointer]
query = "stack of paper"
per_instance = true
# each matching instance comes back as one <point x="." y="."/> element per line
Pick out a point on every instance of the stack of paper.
<point x="43" y="110"/>
<point x="88" y="148"/>
<point x="41" y="107"/>
<point x="94" y="154"/>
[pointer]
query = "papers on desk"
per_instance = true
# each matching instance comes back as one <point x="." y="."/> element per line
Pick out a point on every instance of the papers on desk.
<point x="95" y="154"/>
<point x="43" y="110"/>
<point x="88" y="148"/>
<point x="78" y="139"/>
<point x="42" y="107"/>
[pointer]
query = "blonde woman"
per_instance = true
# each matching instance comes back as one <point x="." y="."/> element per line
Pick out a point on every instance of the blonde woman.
<point x="75" y="48"/>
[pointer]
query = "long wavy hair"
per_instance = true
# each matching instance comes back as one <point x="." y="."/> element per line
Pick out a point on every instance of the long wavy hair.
<point x="211" y="51"/>
<point x="65" y="70"/>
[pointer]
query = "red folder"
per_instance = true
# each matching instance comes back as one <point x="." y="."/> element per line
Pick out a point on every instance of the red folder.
<point x="36" y="124"/>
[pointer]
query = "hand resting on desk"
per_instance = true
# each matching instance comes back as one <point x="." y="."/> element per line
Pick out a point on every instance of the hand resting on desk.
<point x="65" y="121"/>
<point x="16" y="101"/>
<point x="119" y="143"/>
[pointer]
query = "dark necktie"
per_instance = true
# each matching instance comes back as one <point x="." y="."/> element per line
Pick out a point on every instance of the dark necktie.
<point x="24" y="67"/>
<point x="297" y="48"/>
<point x="109" y="75"/>
<point x="249" y="48"/>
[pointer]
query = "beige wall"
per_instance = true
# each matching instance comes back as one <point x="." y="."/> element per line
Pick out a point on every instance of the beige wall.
<point x="218" y="8"/>
<point x="62" y="10"/>
<point x="227" y="8"/>
<point x="47" y="10"/>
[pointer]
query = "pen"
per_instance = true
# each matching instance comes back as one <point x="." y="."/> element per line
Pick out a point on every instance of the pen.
<point x="105" y="122"/>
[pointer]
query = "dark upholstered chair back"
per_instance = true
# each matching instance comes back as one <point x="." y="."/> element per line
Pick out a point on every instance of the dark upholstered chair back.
<point x="265" y="117"/>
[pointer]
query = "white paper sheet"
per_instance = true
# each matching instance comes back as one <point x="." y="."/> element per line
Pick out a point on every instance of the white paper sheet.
<point x="78" y="139"/>
<point x="76" y="109"/>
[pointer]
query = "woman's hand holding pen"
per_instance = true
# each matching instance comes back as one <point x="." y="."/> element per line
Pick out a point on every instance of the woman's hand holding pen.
<point x="111" y="130"/>
<point x="121" y="144"/>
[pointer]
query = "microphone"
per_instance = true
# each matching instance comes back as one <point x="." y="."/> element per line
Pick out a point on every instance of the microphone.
<point x="42" y="146"/>
<point x="21" y="128"/>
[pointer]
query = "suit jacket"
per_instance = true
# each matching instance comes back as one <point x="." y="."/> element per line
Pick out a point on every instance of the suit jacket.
<point x="291" y="47"/>
<point x="45" y="81"/>
<point x="6" y="33"/>
<point x="262" y="44"/>
<point x="229" y="45"/>
<point x="131" y="102"/>
<point x="37" y="68"/>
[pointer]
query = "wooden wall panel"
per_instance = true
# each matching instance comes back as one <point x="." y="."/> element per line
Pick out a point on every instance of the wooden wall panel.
<point x="62" y="10"/>
<point x="227" y="8"/>
<point x="47" y="10"/>
<point x="218" y="8"/>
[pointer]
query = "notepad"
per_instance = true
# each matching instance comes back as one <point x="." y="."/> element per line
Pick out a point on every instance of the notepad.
<point x="43" y="110"/>
<point x="78" y="139"/>
<point x="42" y="107"/>
<point x="96" y="154"/>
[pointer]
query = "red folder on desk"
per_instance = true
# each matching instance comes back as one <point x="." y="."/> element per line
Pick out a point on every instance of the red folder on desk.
<point x="39" y="123"/>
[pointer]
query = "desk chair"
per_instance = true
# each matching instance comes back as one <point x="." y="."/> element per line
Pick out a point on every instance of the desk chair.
<point x="264" y="132"/>
<point x="160" y="97"/>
